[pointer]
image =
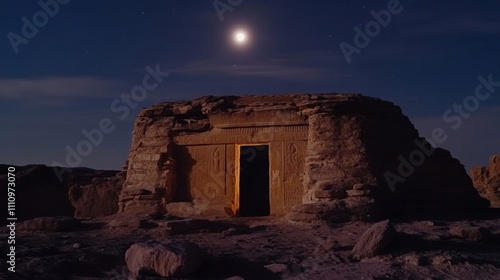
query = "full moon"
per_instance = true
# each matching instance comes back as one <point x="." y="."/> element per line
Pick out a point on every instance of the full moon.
<point x="240" y="37"/>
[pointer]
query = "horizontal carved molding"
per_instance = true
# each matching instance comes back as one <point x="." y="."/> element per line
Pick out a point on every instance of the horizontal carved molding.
<point x="245" y="135"/>
<point x="261" y="124"/>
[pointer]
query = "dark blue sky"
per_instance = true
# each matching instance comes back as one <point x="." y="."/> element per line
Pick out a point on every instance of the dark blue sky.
<point x="65" y="77"/>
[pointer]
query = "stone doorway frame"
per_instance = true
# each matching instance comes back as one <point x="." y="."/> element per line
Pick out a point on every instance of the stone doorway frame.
<point x="235" y="206"/>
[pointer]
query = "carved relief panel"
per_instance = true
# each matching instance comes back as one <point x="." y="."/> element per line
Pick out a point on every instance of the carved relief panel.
<point x="293" y="159"/>
<point x="203" y="172"/>
<point x="276" y="178"/>
<point x="230" y="173"/>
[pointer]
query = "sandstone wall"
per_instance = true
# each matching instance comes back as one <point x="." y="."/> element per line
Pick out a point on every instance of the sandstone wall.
<point x="151" y="175"/>
<point x="487" y="180"/>
<point x="336" y="158"/>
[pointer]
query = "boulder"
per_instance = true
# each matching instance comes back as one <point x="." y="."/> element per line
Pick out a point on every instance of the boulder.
<point x="164" y="259"/>
<point x="374" y="240"/>
<point x="486" y="180"/>
<point x="48" y="224"/>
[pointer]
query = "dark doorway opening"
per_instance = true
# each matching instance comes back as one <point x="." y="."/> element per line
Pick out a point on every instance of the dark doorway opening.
<point x="254" y="181"/>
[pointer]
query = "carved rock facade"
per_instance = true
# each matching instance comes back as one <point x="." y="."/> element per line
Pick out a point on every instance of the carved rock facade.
<point x="325" y="155"/>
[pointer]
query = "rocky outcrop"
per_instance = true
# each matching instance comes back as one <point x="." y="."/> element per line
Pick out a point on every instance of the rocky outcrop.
<point x="166" y="260"/>
<point x="97" y="199"/>
<point x="43" y="190"/>
<point x="487" y="181"/>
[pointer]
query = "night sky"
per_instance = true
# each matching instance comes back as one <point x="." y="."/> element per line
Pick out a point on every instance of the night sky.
<point x="73" y="70"/>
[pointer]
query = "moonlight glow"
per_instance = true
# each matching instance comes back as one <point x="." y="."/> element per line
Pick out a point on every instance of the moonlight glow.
<point x="240" y="37"/>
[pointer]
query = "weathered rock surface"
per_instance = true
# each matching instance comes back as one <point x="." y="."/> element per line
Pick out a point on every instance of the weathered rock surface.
<point x="48" y="224"/>
<point x="165" y="259"/>
<point x="374" y="240"/>
<point x="97" y="199"/>
<point x="486" y="179"/>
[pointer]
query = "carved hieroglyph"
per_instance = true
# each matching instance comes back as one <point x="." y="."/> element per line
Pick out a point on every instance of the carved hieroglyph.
<point x="245" y="135"/>
<point x="293" y="159"/>
<point x="206" y="177"/>
<point x="276" y="177"/>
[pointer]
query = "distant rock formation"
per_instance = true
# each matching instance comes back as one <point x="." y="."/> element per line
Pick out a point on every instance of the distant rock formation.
<point x="99" y="198"/>
<point x="487" y="181"/>
<point x="329" y="156"/>
<point x="39" y="192"/>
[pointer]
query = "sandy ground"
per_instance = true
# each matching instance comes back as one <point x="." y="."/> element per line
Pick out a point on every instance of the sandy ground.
<point x="421" y="250"/>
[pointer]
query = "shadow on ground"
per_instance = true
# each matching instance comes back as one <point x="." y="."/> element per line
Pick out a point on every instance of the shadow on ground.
<point x="228" y="266"/>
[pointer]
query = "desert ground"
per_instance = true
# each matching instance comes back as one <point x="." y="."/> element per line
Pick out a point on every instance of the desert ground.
<point x="262" y="248"/>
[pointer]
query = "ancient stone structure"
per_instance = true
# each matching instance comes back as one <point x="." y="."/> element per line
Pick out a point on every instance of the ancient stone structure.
<point x="311" y="156"/>
<point x="487" y="180"/>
